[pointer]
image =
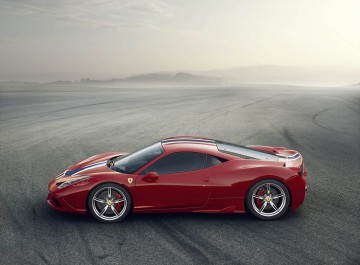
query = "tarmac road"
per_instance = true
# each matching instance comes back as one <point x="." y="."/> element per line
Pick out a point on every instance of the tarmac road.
<point x="44" y="129"/>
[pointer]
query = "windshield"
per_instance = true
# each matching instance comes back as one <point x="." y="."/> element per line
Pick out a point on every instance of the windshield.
<point x="132" y="162"/>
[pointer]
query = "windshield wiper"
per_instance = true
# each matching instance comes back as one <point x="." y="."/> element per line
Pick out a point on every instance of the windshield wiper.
<point x="110" y="163"/>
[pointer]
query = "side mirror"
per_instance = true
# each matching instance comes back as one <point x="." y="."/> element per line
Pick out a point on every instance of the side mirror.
<point x="151" y="177"/>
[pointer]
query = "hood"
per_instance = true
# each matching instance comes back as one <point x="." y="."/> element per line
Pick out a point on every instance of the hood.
<point x="94" y="164"/>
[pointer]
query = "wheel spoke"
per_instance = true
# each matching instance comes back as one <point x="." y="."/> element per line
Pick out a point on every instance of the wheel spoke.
<point x="267" y="188"/>
<point x="119" y="200"/>
<point x="104" y="210"/>
<point x="263" y="207"/>
<point x="277" y="196"/>
<point x="114" y="210"/>
<point x="106" y="203"/>
<point x="273" y="205"/>
<point x="258" y="197"/>
<point x="99" y="200"/>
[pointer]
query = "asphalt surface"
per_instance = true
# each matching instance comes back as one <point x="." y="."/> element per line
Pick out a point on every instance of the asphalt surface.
<point x="45" y="129"/>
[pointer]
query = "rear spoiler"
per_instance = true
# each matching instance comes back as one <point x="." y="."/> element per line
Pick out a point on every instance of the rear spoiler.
<point x="294" y="162"/>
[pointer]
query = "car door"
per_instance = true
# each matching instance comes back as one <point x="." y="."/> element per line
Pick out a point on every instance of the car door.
<point x="181" y="181"/>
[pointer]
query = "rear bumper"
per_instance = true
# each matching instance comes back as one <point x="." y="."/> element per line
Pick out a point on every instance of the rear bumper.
<point x="297" y="187"/>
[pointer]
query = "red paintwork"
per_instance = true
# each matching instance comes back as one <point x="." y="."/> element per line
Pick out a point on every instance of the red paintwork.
<point x="218" y="189"/>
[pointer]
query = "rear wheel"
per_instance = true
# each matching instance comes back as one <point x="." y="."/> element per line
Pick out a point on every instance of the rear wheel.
<point x="109" y="203"/>
<point x="268" y="199"/>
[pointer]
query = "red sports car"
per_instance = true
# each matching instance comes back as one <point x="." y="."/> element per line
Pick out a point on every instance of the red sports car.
<point x="183" y="174"/>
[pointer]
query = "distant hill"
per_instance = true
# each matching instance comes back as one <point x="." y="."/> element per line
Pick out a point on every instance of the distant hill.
<point x="18" y="83"/>
<point x="276" y="74"/>
<point x="259" y="74"/>
<point x="60" y="82"/>
<point x="162" y="78"/>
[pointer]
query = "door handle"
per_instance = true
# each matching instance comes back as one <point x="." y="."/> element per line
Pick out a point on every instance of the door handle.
<point x="206" y="179"/>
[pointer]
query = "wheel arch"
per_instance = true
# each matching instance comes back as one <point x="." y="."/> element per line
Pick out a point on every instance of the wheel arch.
<point x="262" y="178"/>
<point x="110" y="182"/>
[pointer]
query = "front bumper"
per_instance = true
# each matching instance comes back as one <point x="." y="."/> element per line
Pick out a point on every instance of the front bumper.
<point x="61" y="205"/>
<point x="66" y="200"/>
<point x="54" y="202"/>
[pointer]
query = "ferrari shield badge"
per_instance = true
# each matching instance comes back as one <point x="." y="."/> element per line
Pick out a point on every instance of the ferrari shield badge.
<point x="130" y="180"/>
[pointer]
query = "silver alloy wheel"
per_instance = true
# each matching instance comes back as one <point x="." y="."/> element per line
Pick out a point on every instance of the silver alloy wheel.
<point x="105" y="203"/>
<point x="272" y="201"/>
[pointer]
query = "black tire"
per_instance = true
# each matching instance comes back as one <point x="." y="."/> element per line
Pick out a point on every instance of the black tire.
<point x="268" y="199"/>
<point x="104" y="205"/>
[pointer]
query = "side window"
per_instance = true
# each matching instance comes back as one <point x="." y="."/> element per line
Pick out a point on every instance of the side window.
<point x="213" y="161"/>
<point x="178" y="162"/>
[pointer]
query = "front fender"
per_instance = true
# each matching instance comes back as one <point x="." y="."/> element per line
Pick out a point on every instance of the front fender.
<point x="74" y="197"/>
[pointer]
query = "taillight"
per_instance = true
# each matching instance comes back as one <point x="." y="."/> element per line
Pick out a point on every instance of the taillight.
<point x="299" y="170"/>
<point x="302" y="169"/>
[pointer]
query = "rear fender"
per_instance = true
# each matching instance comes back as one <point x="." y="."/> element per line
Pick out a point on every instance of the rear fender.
<point x="238" y="180"/>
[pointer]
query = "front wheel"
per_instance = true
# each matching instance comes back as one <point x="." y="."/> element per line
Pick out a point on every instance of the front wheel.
<point x="268" y="199"/>
<point x="109" y="203"/>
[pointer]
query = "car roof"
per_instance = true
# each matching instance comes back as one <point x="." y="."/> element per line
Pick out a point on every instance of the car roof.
<point x="214" y="147"/>
<point x="189" y="143"/>
<point x="188" y="139"/>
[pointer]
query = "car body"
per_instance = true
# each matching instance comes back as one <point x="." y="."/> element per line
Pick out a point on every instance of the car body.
<point x="183" y="174"/>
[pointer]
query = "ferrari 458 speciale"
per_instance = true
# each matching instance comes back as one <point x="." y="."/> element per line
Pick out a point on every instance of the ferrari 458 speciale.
<point x="183" y="174"/>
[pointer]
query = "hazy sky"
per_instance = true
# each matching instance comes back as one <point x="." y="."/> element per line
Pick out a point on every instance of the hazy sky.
<point x="47" y="40"/>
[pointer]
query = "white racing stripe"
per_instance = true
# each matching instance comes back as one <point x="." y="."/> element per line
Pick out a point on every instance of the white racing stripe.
<point x="77" y="171"/>
<point x="91" y="167"/>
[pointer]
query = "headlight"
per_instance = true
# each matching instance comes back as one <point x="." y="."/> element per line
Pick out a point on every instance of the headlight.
<point x="71" y="182"/>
